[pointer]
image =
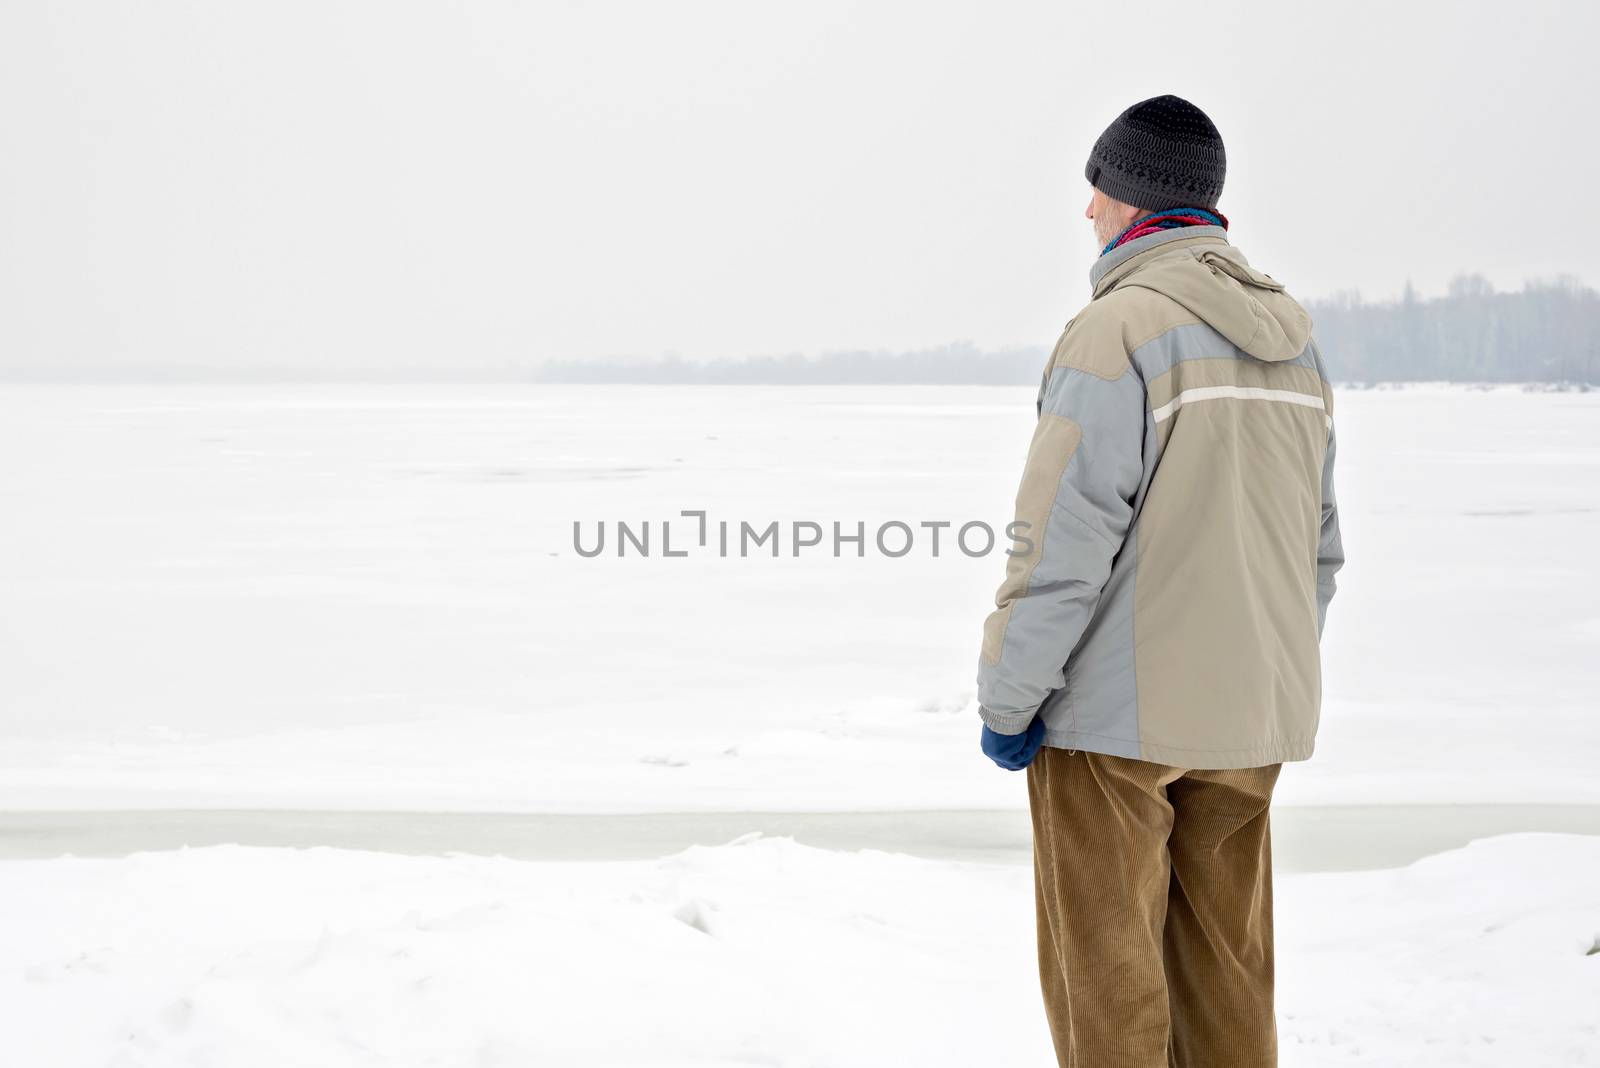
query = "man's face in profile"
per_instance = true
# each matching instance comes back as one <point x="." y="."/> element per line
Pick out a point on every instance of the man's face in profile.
<point x="1110" y="217"/>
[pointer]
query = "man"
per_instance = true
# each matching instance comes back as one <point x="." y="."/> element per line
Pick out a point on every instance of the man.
<point x="1153" y="657"/>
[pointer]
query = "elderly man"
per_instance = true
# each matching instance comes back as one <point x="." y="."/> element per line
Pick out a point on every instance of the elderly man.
<point x="1153" y="657"/>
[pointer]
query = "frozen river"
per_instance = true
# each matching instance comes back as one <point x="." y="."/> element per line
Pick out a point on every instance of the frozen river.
<point x="239" y="619"/>
<point x="1305" y="838"/>
<point x="330" y="598"/>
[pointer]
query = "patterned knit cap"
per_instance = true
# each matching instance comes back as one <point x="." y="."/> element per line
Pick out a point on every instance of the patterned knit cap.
<point x="1161" y="153"/>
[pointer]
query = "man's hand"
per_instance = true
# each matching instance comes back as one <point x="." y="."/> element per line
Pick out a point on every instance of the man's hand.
<point x="1014" y="751"/>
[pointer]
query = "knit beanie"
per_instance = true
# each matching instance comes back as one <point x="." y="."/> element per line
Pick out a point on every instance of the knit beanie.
<point x="1161" y="153"/>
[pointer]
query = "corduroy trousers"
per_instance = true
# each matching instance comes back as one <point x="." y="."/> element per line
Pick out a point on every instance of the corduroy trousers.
<point x="1154" y="892"/>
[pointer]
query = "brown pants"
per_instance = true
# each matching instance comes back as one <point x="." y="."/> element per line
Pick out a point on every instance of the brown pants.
<point x="1154" y="892"/>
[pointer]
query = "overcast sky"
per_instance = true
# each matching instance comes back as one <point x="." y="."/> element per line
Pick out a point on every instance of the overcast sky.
<point x="356" y="184"/>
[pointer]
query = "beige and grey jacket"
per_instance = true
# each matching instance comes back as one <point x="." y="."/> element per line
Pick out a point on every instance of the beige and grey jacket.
<point x="1181" y="535"/>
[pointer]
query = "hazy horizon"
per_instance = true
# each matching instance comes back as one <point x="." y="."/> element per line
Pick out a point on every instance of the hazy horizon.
<point x="1542" y="333"/>
<point x="361" y="187"/>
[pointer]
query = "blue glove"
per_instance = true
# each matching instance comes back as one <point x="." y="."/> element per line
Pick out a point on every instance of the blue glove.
<point x="1014" y="751"/>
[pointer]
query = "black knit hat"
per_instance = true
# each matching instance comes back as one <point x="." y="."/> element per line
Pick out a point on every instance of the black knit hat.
<point x="1161" y="153"/>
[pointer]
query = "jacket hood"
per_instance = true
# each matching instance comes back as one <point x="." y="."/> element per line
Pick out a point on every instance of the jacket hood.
<point x="1213" y="280"/>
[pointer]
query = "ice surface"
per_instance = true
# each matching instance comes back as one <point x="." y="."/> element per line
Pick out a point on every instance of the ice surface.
<point x="358" y="596"/>
<point x="362" y="597"/>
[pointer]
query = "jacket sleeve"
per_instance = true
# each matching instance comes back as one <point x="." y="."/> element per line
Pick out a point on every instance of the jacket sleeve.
<point x="1073" y="510"/>
<point x="1330" y="547"/>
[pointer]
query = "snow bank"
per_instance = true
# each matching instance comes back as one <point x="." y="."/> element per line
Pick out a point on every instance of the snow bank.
<point x="759" y="952"/>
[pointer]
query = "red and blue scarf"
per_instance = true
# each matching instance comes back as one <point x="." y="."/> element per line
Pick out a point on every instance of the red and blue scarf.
<point x="1171" y="219"/>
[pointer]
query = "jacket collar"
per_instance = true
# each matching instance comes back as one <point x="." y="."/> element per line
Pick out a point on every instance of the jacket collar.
<point x="1110" y="267"/>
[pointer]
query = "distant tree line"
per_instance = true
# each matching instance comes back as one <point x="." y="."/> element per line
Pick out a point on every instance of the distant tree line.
<point x="1545" y="332"/>
<point x="957" y="364"/>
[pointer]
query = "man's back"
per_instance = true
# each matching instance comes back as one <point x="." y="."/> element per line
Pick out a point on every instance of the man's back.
<point x="1178" y="493"/>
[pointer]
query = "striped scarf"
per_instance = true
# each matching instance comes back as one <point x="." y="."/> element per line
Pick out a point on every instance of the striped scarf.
<point x="1170" y="219"/>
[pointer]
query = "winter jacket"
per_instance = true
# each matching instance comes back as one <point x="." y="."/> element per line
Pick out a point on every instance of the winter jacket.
<point x="1167" y="597"/>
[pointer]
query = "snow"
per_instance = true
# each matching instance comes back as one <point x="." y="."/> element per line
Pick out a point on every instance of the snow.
<point x="357" y="598"/>
<point x="367" y="597"/>
<point x="758" y="952"/>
